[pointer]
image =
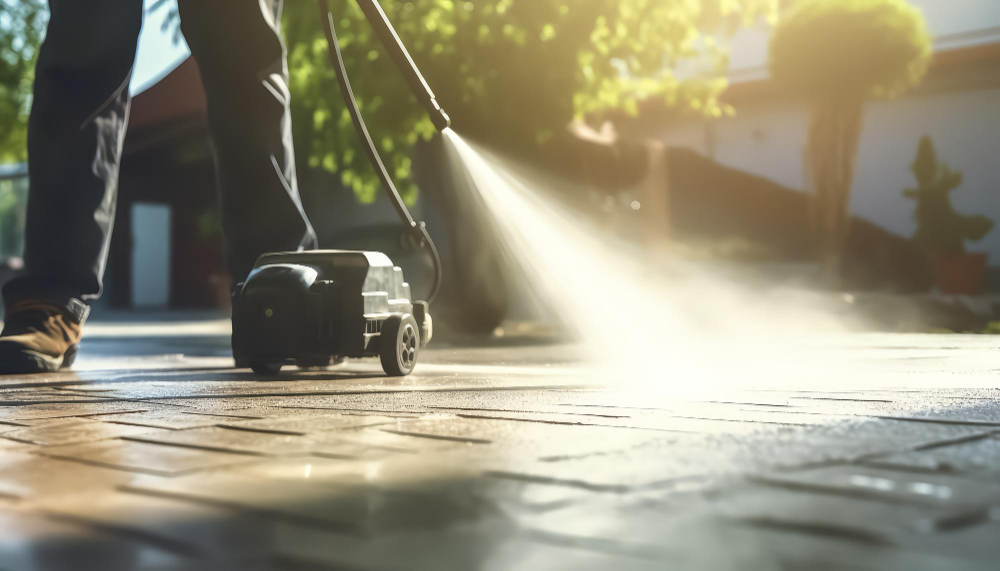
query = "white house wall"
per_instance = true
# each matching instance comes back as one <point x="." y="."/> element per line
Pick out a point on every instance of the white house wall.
<point x="768" y="139"/>
<point x="965" y="127"/>
<point x="768" y="135"/>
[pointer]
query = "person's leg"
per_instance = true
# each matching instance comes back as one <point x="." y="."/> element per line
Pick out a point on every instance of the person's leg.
<point x="238" y="46"/>
<point x="75" y="134"/>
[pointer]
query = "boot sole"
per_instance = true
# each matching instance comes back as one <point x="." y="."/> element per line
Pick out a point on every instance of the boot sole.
<point x="25" y="361"/>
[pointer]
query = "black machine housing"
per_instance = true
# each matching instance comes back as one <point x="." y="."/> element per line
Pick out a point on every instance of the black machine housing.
<point x="316" y="307"/>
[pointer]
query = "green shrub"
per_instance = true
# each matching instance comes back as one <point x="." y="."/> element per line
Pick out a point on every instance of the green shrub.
<point x="851" y="48"/>
<point x="940" y="230"/>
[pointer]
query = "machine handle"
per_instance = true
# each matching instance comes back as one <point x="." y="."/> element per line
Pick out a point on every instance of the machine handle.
<point x="416" y="231"/>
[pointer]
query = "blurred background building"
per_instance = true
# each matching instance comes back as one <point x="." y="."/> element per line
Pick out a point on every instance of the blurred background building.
<point x="957" y="105"/>
<point x="704" y="180"/>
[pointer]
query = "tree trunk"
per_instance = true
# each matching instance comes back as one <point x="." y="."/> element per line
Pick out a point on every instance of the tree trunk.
<point x="834" y="133"/>
<point x="654" y="191"/>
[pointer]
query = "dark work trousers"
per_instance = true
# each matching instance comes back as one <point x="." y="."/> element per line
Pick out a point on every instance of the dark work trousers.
<point x="77" y="127"/>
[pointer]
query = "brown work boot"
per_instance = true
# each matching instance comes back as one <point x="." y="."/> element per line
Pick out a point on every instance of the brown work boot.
<point x="40" y="336"/>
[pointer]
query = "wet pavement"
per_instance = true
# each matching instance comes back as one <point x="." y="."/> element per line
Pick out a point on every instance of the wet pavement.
<point x="154" y="454"/>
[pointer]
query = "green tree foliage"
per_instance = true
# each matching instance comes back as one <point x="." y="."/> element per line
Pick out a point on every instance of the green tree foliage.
<point x="513" y="72"/>
<point x="22" y="23"/>
<point x="940" y="230"/>
<point x="851" y="48"/>
<point x="837" y="54"/>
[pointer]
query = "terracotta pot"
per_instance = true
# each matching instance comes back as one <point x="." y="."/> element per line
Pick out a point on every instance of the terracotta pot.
<point x="959" y="274"/>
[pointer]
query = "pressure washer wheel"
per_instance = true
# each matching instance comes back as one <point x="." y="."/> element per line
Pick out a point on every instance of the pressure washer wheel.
<point x="265" y="367"/>
<point x="400" y="343"/>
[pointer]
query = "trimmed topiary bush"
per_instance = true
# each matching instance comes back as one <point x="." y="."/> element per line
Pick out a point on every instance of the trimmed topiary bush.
<point x="940" y="229"/>
<point x="850" y="49"/>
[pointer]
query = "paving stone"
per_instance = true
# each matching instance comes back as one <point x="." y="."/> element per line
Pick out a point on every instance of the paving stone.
<point x="459" y="548"/>
<point x="303" y="425"/>
<point x="975" y="544"/>
<point x="231" y="441"/>
<point x="614" y="472"/>
<point x="31" y="541"/>
<point x="355" y="509"/>
<point x="977" y="455"/>
<point x="28" y="414"/>
<point x="234" y="441"/>
<point x="891" y="486"/>
<point x="30" y="476"/>
<point x="530" y="439"/>
<point x="661" y="462"/>
<point x="375" y="438"/>
<point x="648" y="421"/>
<point x="522" y="496"/>
<point x="287" y="389"/>
<point x="142" y="457"/>
<point x="406" y="473"/>
<point x="221" y="562"/>
<point x="683" y="531"/>
<point x="741" y="413"/>
<point x="10" y="445"/>
<point x="42" y="422"/>
<point x="802" y="549"/>
<point x="341" y="444"/>
<point x="613" y="401"/>
<point x="88" y="388"/>
<point x="491" y="548"/>
<point x="871" y="436"/>
<point x="201" y="529"/>
<point x="47" y="397"/>
<point x="167" y="419"/>
<point x="477" y="464"/>
<point x="74" y="432"/>
<point x="612" y="410"/>
<point x="704" y="521"/>
<point x="956" y="412"/>
<point x="229" y="414"/>
<point x="524" y="554"/>
<point x="16" y="397"/>
<point x="841" y="516"/>
<point x="354" y="404"/>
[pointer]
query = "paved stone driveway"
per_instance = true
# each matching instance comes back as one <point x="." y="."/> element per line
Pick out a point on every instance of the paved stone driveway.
<point x="155" y="456"/>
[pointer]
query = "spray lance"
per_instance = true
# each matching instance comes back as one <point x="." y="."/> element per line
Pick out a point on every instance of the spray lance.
<point x="416" y="231"/>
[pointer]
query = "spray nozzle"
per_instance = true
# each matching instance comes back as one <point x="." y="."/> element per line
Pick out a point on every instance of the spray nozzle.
<point x="441" y="119"/>
<point x="387" y="35"/>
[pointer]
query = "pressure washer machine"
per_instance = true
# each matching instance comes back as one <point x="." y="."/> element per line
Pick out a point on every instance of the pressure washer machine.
<point x="310" y="308"/>
<point x="313" y="308"/>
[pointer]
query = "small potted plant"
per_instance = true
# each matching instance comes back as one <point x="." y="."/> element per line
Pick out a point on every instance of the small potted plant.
<point x="941" y="231"/>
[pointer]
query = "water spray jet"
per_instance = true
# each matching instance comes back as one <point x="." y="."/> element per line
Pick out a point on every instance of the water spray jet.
<point x="667" y="326"/>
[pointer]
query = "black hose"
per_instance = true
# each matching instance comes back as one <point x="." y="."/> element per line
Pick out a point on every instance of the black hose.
<point x="404" y="63"/>
<point x="417" y="231"/>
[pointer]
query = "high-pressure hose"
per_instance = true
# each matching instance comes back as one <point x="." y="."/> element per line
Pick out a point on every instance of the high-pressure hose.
<point x="417" y="231"/>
